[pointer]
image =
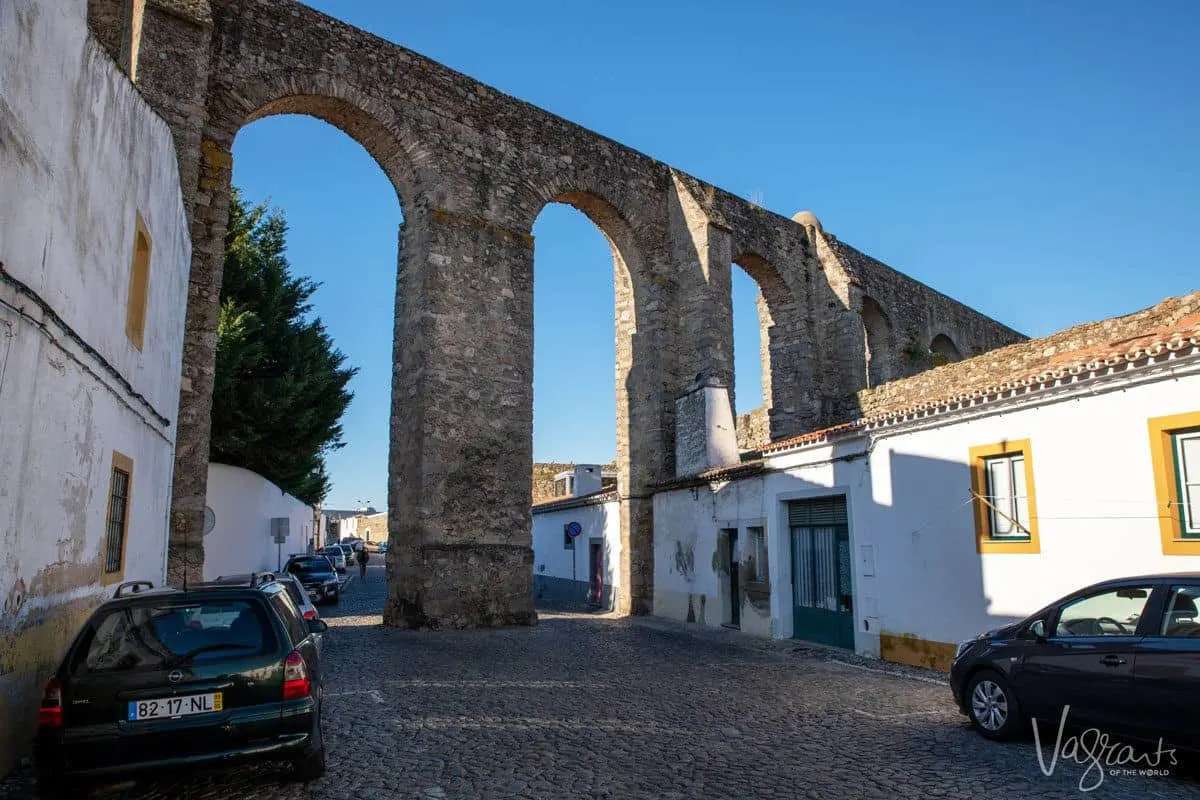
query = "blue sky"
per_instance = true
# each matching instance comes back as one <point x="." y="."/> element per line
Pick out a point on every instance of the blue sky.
<point x="1036" y="160"/>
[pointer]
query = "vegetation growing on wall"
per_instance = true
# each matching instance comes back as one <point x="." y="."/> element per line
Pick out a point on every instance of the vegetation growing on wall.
<point x="280" y="387"/>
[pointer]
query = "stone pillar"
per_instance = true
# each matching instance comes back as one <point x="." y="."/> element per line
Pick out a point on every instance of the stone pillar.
<point x="644" y="390"/>
<point x="462" y="415"/>
<point x="172" y="64"/>
<point x="702" y="255"/>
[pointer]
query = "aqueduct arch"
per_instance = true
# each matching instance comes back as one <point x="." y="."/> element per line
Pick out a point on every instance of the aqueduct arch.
<point x="473" y="168"/>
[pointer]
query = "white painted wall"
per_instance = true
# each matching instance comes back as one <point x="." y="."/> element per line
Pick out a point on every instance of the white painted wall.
<point x="70" y="123"/>
<point x="80" y="154"/>
<point x="1096" y="504"/>
<point x="244" y="503"/>
<point x="552" y="559"/>
<point x="916" y="569"/>
<point x="690" y="578"/>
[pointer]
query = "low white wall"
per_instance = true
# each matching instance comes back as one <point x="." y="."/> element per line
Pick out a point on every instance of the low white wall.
<point x="244" y="503"/>
<point x="691" y="568"/>
<point x="552" y="560"/>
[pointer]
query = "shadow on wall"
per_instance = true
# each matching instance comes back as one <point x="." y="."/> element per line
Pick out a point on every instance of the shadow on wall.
<point x="929" y="575"/>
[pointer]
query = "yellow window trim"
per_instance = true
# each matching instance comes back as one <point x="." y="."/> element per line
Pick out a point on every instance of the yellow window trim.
<point x="125" y="464"/>
<point x="984" y="543"/>
<point x="139" y="284"/>
<point x="1165" y="482"/>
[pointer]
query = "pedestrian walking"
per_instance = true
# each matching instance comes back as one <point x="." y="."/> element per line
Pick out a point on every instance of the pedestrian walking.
<point x="362" y="556"/>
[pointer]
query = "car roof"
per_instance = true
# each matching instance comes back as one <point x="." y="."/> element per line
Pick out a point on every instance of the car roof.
<point x="197" y="591"/>
<point x="1157" y="577"/>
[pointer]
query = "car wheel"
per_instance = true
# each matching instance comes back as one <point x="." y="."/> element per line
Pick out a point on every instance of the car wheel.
<point x="312" y="766"/>
<point x="993" y="706"/>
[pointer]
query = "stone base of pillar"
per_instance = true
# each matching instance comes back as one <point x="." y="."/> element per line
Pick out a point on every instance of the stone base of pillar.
<point x="465" y="586"/>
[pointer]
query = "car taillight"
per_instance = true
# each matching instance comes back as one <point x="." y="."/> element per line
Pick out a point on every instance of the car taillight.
<point x="310" y="614"/>
<point x="295" y="677"/>
<point x="50" y="715"/>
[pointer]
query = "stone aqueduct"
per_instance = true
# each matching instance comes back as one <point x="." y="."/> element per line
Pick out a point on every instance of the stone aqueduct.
<point x="473" y="168"/>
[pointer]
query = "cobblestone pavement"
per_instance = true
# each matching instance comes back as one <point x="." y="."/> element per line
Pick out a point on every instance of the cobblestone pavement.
<point x="584" y="706"/>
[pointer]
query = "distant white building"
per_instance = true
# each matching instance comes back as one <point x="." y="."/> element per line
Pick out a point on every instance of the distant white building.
<point x="252" y="525"/>
<point x="94" y="261"/>
<point x="583" y="479"/>
<point x="964" y="498"/>
<point x="577" y="551"/>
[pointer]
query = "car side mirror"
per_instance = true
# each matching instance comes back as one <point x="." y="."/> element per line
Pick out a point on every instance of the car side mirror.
<point x="1038" y="630"/>
<point x="317" y="626"/>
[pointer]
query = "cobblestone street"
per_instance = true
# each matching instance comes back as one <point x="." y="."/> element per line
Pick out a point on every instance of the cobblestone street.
<point x="598" y="707"/>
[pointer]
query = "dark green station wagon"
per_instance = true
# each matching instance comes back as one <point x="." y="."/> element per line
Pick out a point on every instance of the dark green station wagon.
<point x="160" y="679"/>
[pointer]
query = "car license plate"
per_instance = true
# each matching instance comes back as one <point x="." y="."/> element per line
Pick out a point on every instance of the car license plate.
<point x="168" y="707"/>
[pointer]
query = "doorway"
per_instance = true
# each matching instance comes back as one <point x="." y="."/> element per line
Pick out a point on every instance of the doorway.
<point x="822" y="597"/>
<point x="732" y="583"/>
<point x="596" y="572"/>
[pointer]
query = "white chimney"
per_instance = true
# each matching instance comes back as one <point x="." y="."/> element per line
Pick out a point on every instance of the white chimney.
<point x="587" y="479"/>
<point x="705" y="436"/>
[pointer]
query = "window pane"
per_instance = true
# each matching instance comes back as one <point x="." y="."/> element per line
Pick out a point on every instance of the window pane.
<point x="1000" y="492"/>
<point x="1112" y="613"/>
<point x="758" y="544"/>
<point x="146" y="636"/>
<point x="1008" y="513"/>
<point x="1179" y="619"/>
<point x="1189" y="456"/>
<point x="1187" y="460"/>
<point x="1020" y="495"/>
<point x="1191" y="507"/>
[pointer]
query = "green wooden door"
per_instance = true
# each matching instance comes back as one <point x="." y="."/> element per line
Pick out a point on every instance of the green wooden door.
<point x="822" y="598"/>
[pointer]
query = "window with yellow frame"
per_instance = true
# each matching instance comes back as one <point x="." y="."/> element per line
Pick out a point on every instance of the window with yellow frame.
<point x="1175" y="455"/>
<point x="1005" y="502"/>
<point x="116" y="528"/>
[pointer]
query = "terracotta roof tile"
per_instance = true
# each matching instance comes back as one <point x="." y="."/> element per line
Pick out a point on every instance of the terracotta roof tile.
<point x="602" y="496"/>
<point x="742" y="470"/>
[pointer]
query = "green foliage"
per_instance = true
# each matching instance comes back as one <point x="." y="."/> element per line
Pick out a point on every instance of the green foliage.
<point x="280" y="387"/>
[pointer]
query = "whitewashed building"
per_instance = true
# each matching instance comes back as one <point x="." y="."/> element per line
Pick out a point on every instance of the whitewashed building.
<point x="964" y="498"/>
<point x="94" y="259"/>
<point x="243" y="515"/>
<point x="577" y="544"/>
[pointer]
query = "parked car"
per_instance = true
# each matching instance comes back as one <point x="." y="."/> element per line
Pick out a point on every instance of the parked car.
<point x="164" y="679"/>
<point x="383" y="547"/>
<point x="290" y="582"/>
<point x="317" y="575"/>
<point x="348" y="552"/>
<point x="337" y="555"/>
<point x="1123" y="654"/>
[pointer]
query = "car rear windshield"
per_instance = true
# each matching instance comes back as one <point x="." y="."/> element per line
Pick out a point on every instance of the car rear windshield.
<point x="309" y="566"/>
<point x="157" y="636"/>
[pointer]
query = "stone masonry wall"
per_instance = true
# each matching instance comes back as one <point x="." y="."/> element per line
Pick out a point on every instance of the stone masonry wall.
<point x="473" y="168"/>
<point x="753" y="429"/>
